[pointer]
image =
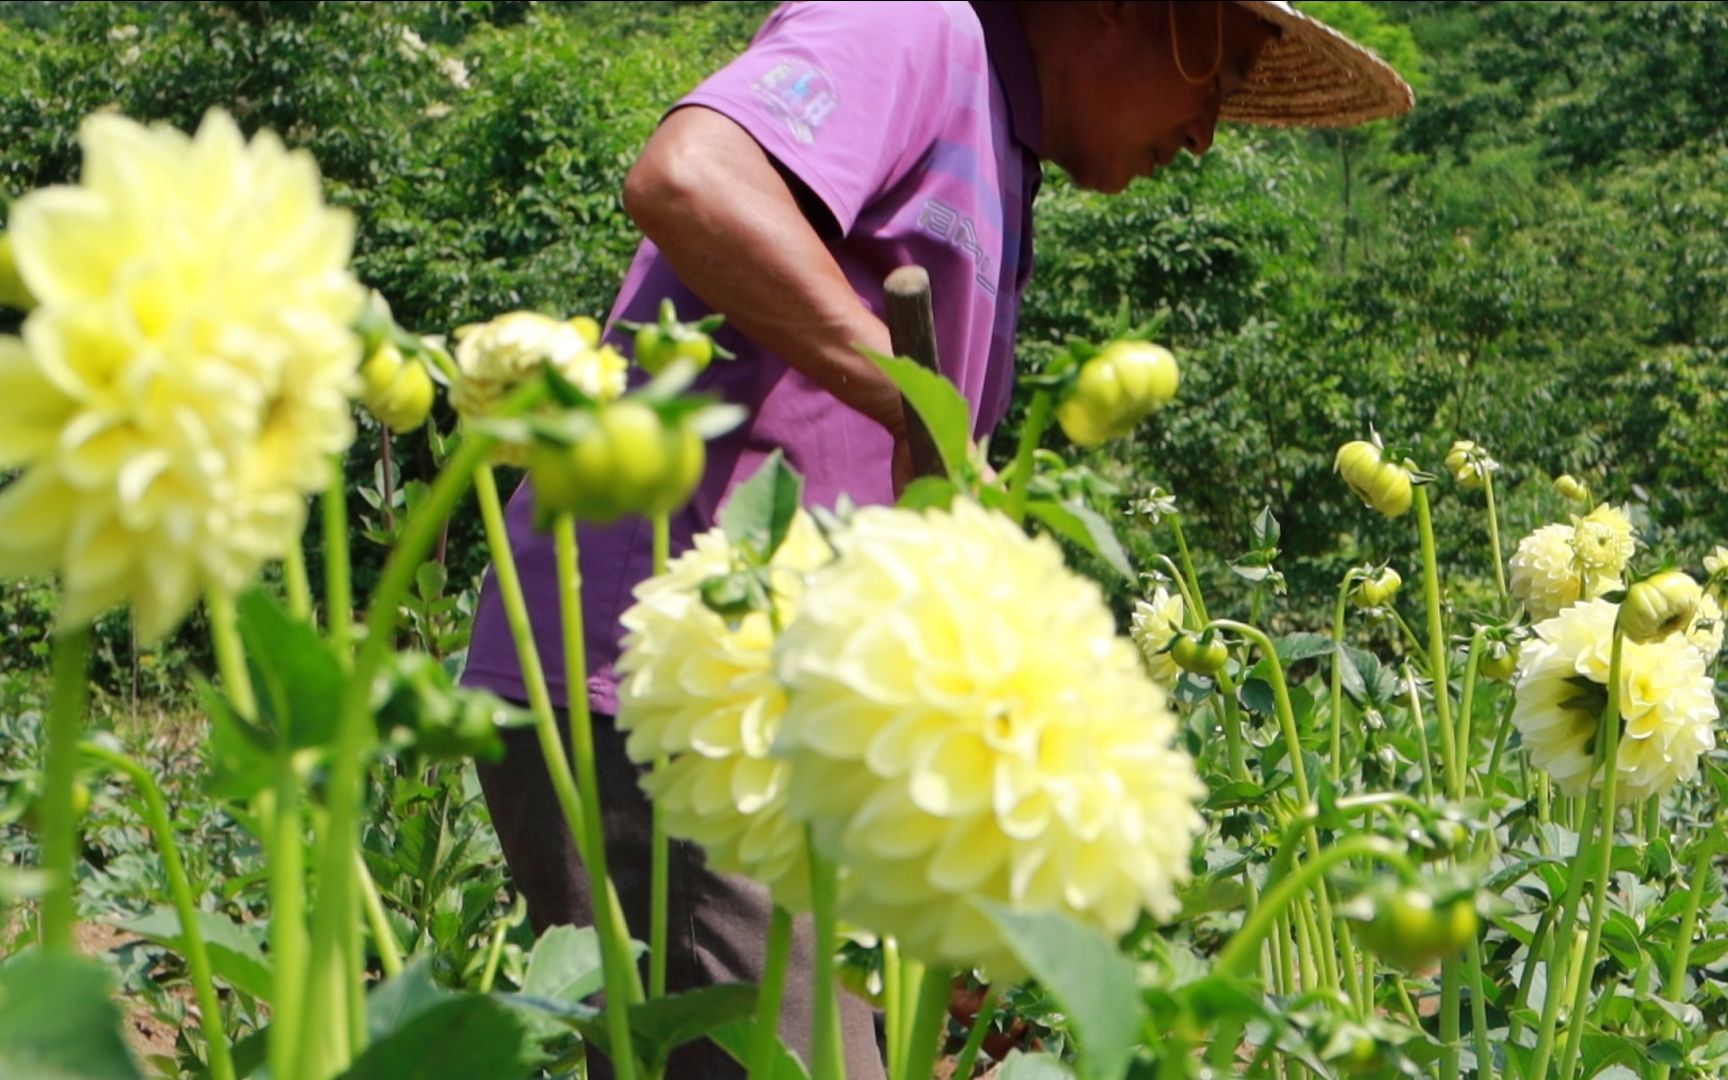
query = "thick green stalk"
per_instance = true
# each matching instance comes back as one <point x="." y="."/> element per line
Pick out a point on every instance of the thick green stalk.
<point x="288" y="941"/>
<point x="337" y="908"/>
<point x="296" y="583"/>
<point x="389" y="949"/>
<point x="1421" y="736"/>
<point x="1188" y="566"/>
<point x="1604" y="852"/>
<point x="1037" y="419"/>
<point x="899" y="986"/>
<point x="1478" y="1010"/>
<point x="924" y="1041"/>
<point x="338" y="590"/>
<point x="827" y="1055"/>
<point x="1494" y="539"/>
<point x="185" y="907"/>
<point x="660" y="867"/>
<point x="975" y="1037"/>
<point x="1451" y="982"/>
<point x="1467" y="703"/>
<point x="1307" y="939"/>
<point x="1438" y="669"/>
<point x="1676" y="984"/>
<point x="765" y="1038"/>
<point x="71" y="662"/>
<point x="622" y="983"/>
<point x="1337" y="711"/>
<point x="1234" y="961"/>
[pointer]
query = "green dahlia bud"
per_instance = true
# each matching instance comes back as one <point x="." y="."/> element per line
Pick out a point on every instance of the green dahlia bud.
<point x="1377" y="590"/>
<point x="1660" y="605"/>
<point x="1383" y="486"/>
<point x="1571" y="488"/>
<point x="398" y="392"/>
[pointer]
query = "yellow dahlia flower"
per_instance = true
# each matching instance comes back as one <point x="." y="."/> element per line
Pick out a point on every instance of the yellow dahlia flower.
<point x="1154" y="623"/>
<point x="1666" y="702"/>
<point x="497" y="356"/>
<point x="183" y="383"/>
<point x="1602" y="541"/>
<point x="701" y="691"/>
<point x="1545" y="573"/>
<point x="965" y="726"/>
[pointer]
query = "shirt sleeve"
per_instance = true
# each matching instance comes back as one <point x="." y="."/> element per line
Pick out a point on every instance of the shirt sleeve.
<point x="847" y="97"/>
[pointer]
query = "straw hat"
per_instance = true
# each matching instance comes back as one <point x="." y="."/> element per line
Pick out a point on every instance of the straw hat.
<point x="1310" y="75"/>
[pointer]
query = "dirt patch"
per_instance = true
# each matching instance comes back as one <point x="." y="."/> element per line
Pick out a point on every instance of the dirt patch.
<point x="146" y="1033"/>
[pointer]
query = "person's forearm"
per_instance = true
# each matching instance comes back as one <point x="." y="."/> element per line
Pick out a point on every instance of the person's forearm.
<point x="709" y="197"/>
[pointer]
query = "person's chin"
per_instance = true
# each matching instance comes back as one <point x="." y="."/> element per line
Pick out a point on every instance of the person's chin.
<point x="1104" y="182"/>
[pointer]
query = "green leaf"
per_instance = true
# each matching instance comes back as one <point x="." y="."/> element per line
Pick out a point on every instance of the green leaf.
<point x="760" y="510"/>
<point x="59" y="1022"/>
<point x="734" y="1038"/>
<point x="1230" y="794"/>
<point x="937" y="402"/>
<point x="298" y="677"/>
<point x="235" y="957"/>
<point x="1602" y="1052"/>
<point x="1095" y="983"/>
<point x="565" y="965"/>
<point x="241" y="757"/>
<point x="464" y="1037"/>
<point x="1265" y="530"/>
<point x="928" y="493"/>
<point x="664" y="1024"/>
<point x="1304" y="646"/>
<point x="398" y="1001"/>
<point x="1082" y="526"/>
<point x="1024" y="1066"/>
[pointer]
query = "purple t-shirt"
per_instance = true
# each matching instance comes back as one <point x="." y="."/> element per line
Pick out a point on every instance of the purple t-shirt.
<point x="918" y="126"/>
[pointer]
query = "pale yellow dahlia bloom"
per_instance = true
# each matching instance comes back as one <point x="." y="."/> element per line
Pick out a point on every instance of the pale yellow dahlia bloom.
<point x="1152" y="626"/>
<point x="498" y="356"/>
<point x="1602" y="541"/>
<point x="1546" y="575"/>
<point x="701" y="691"/>
<point x="183" y="383"/>
<point x="966" y="727"/>
<point x="1667" y="703"/>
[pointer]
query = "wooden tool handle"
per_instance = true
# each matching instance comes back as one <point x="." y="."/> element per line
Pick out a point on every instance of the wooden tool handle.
<point x="912" y="330"/>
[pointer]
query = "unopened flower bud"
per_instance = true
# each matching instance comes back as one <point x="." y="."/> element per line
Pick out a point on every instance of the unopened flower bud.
<point x="1499" y="661"/>
<point x="1660" y="605"/>
<point x="1383" y="486"/>
<point x="1377" y="590"/>
<point x="1570" y="487"/>
<point x="397" y="391"/>
<point x="1469" y="464"/>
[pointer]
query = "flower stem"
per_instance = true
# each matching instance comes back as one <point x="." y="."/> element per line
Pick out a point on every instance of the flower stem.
<point x="1188" y="566"/>
<point x="1037" y="419"/>
<point x="1466" y="705"/>
<point x="899" y="983"/>
<point x="827" y="1058"/>
<point x="1695" y="885"/>
<point x="71" y="661"/>
<point x="975" y="1038"/>
<point x="659" y="847"/>
<point x="389" y="950"/>
<point x="1478" y="1010"/>
<point x="1337" y="711"/>
<point x="1604" y="852"/>
<point x="295" y="582"/>
<point x="288" y="942"/>
<point x="1421" y="726"/>
<point x="765" y="1038"/>
<point x="1494" y="538"/>
<point x="1559" y="947"/>
<point x="1437" y="665"/>
<point x="622" y="982"/>
<point x="338" y="591"/>
<point x="924" y="1041"/>
<point x="1450" y="1040"/>
<point x="192" y="937"/>
<point x="230" y="654"/>
<point x="1239" y="954"/>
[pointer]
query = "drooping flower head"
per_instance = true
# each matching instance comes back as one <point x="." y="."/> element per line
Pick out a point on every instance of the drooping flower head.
<point x="495" y="357"/>
<point x="965" y="726"/>
<point x="1152" y="625"/>
<point x="700" y="690"/>
<point x="1667" y="703"/>
<point x="182" y="385"/>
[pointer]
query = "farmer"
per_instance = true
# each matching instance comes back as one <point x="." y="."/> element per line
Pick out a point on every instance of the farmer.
<point x="849" y="139"/>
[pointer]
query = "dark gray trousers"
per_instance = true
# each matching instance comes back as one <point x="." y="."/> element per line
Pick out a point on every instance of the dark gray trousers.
<point x="717" y="924"/>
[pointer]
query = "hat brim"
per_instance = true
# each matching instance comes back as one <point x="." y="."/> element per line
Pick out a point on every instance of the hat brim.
<point x="1310" y="75"/>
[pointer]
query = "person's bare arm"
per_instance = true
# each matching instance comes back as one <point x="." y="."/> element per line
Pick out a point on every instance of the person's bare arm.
<point x="725" y="220"/>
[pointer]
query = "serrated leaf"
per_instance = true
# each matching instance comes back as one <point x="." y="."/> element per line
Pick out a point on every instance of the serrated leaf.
<point x="1302" y="646"/>
<point x="937" y="402"/>
<point x="463" y="1037"/>
<point x="1082" y="526"/>
<point x="235" y="956"/>
<point x="1023" y="1066"/>
<point x="735" y="1038"/>
<point x="298" y="678"/>
<point x="664" y="1024"/>
<point x="1265" y="529"/>
<point x="928" y="493"/>
<point x="1095" y="984"/>
<point x="565" y="964"/>
<point x="241" y="757"/>
<point x="760" y="510"/>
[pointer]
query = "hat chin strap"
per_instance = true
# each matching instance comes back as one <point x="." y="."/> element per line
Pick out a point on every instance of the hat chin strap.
<point x="1217" y="56"/>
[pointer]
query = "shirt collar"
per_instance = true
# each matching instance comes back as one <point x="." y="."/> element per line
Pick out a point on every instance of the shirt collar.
<point x="1011" y="57"/>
